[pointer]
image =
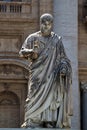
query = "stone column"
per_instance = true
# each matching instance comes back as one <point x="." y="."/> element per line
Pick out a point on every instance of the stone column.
<point x="65" y="24"/>
<point x="84" y="105"/>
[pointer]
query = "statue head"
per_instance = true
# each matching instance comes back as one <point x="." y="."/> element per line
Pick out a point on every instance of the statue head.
<point x="46" y="22"/>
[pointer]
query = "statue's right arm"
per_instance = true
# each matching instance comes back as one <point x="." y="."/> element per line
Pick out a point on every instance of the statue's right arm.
<point x="26" y="49"/>
<point x="24" y="52"/>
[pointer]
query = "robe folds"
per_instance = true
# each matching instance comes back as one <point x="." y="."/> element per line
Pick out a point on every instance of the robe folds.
<point x="49" y="91"/>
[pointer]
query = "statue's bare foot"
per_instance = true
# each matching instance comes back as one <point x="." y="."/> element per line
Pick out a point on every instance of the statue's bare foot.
<point x="48" y="125"/>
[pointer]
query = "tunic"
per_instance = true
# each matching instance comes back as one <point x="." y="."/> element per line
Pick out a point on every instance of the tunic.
<point x="49" y="92"/>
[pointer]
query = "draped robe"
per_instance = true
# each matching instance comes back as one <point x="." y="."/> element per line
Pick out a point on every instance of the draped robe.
<point x="49" y="92"/>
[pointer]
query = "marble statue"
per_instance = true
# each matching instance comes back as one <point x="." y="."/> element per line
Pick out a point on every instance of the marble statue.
<point x="49" y="102"/>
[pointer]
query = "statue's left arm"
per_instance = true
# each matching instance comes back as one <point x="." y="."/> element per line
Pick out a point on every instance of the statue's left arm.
<point x="63" y="63"/>
<point x="64" y="80"/>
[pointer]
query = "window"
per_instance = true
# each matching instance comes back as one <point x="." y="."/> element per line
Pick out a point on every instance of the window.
<point x="12" y="7"/>
<point x="3" y="8"/>
<point x="15" y="8"/>
<point x="16" y="0"/>
<point x="12" y="0"/>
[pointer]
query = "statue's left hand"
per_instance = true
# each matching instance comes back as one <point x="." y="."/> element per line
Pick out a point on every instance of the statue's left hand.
<point x="63" y="71"/>
<point x="34" y="56"/>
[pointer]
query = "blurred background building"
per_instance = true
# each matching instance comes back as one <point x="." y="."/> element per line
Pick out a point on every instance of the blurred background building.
<point x="18" y="19"/>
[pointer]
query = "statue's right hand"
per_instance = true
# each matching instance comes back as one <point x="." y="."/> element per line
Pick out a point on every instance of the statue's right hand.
<point x="25" y="52"/>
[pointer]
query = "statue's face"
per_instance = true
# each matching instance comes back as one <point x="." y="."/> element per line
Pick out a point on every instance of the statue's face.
<point x="46" y="28"/>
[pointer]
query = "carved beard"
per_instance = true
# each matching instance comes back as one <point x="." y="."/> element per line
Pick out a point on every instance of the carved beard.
<point x="45" y="31"/>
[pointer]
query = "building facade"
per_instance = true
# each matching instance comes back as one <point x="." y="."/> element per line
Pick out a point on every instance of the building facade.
<point x="18" y="19"/>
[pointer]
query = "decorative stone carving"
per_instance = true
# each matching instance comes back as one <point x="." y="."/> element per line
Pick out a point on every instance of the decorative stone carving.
<point x="49" y="102"/>
<point x="7" y="97"/>
<point x="9" y="70"/>
<point x="6" y="86"/>
<point x="84" y="86"/>
<point x="10" y="44"/>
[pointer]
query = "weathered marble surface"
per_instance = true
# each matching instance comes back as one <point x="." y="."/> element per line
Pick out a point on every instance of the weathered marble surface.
<point x="49" y="101"/>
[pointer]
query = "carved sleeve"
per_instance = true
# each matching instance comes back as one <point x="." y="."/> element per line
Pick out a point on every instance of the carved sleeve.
<point x="27" y="47"/>
<point x="62" y="62"/>
<point x="28" y="43"/>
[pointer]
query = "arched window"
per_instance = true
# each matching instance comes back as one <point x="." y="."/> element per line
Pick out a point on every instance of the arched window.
<point x="9" y="110"/>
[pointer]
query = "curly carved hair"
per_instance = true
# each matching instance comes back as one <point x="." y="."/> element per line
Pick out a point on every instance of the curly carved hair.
<point x="46" y="17"/>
